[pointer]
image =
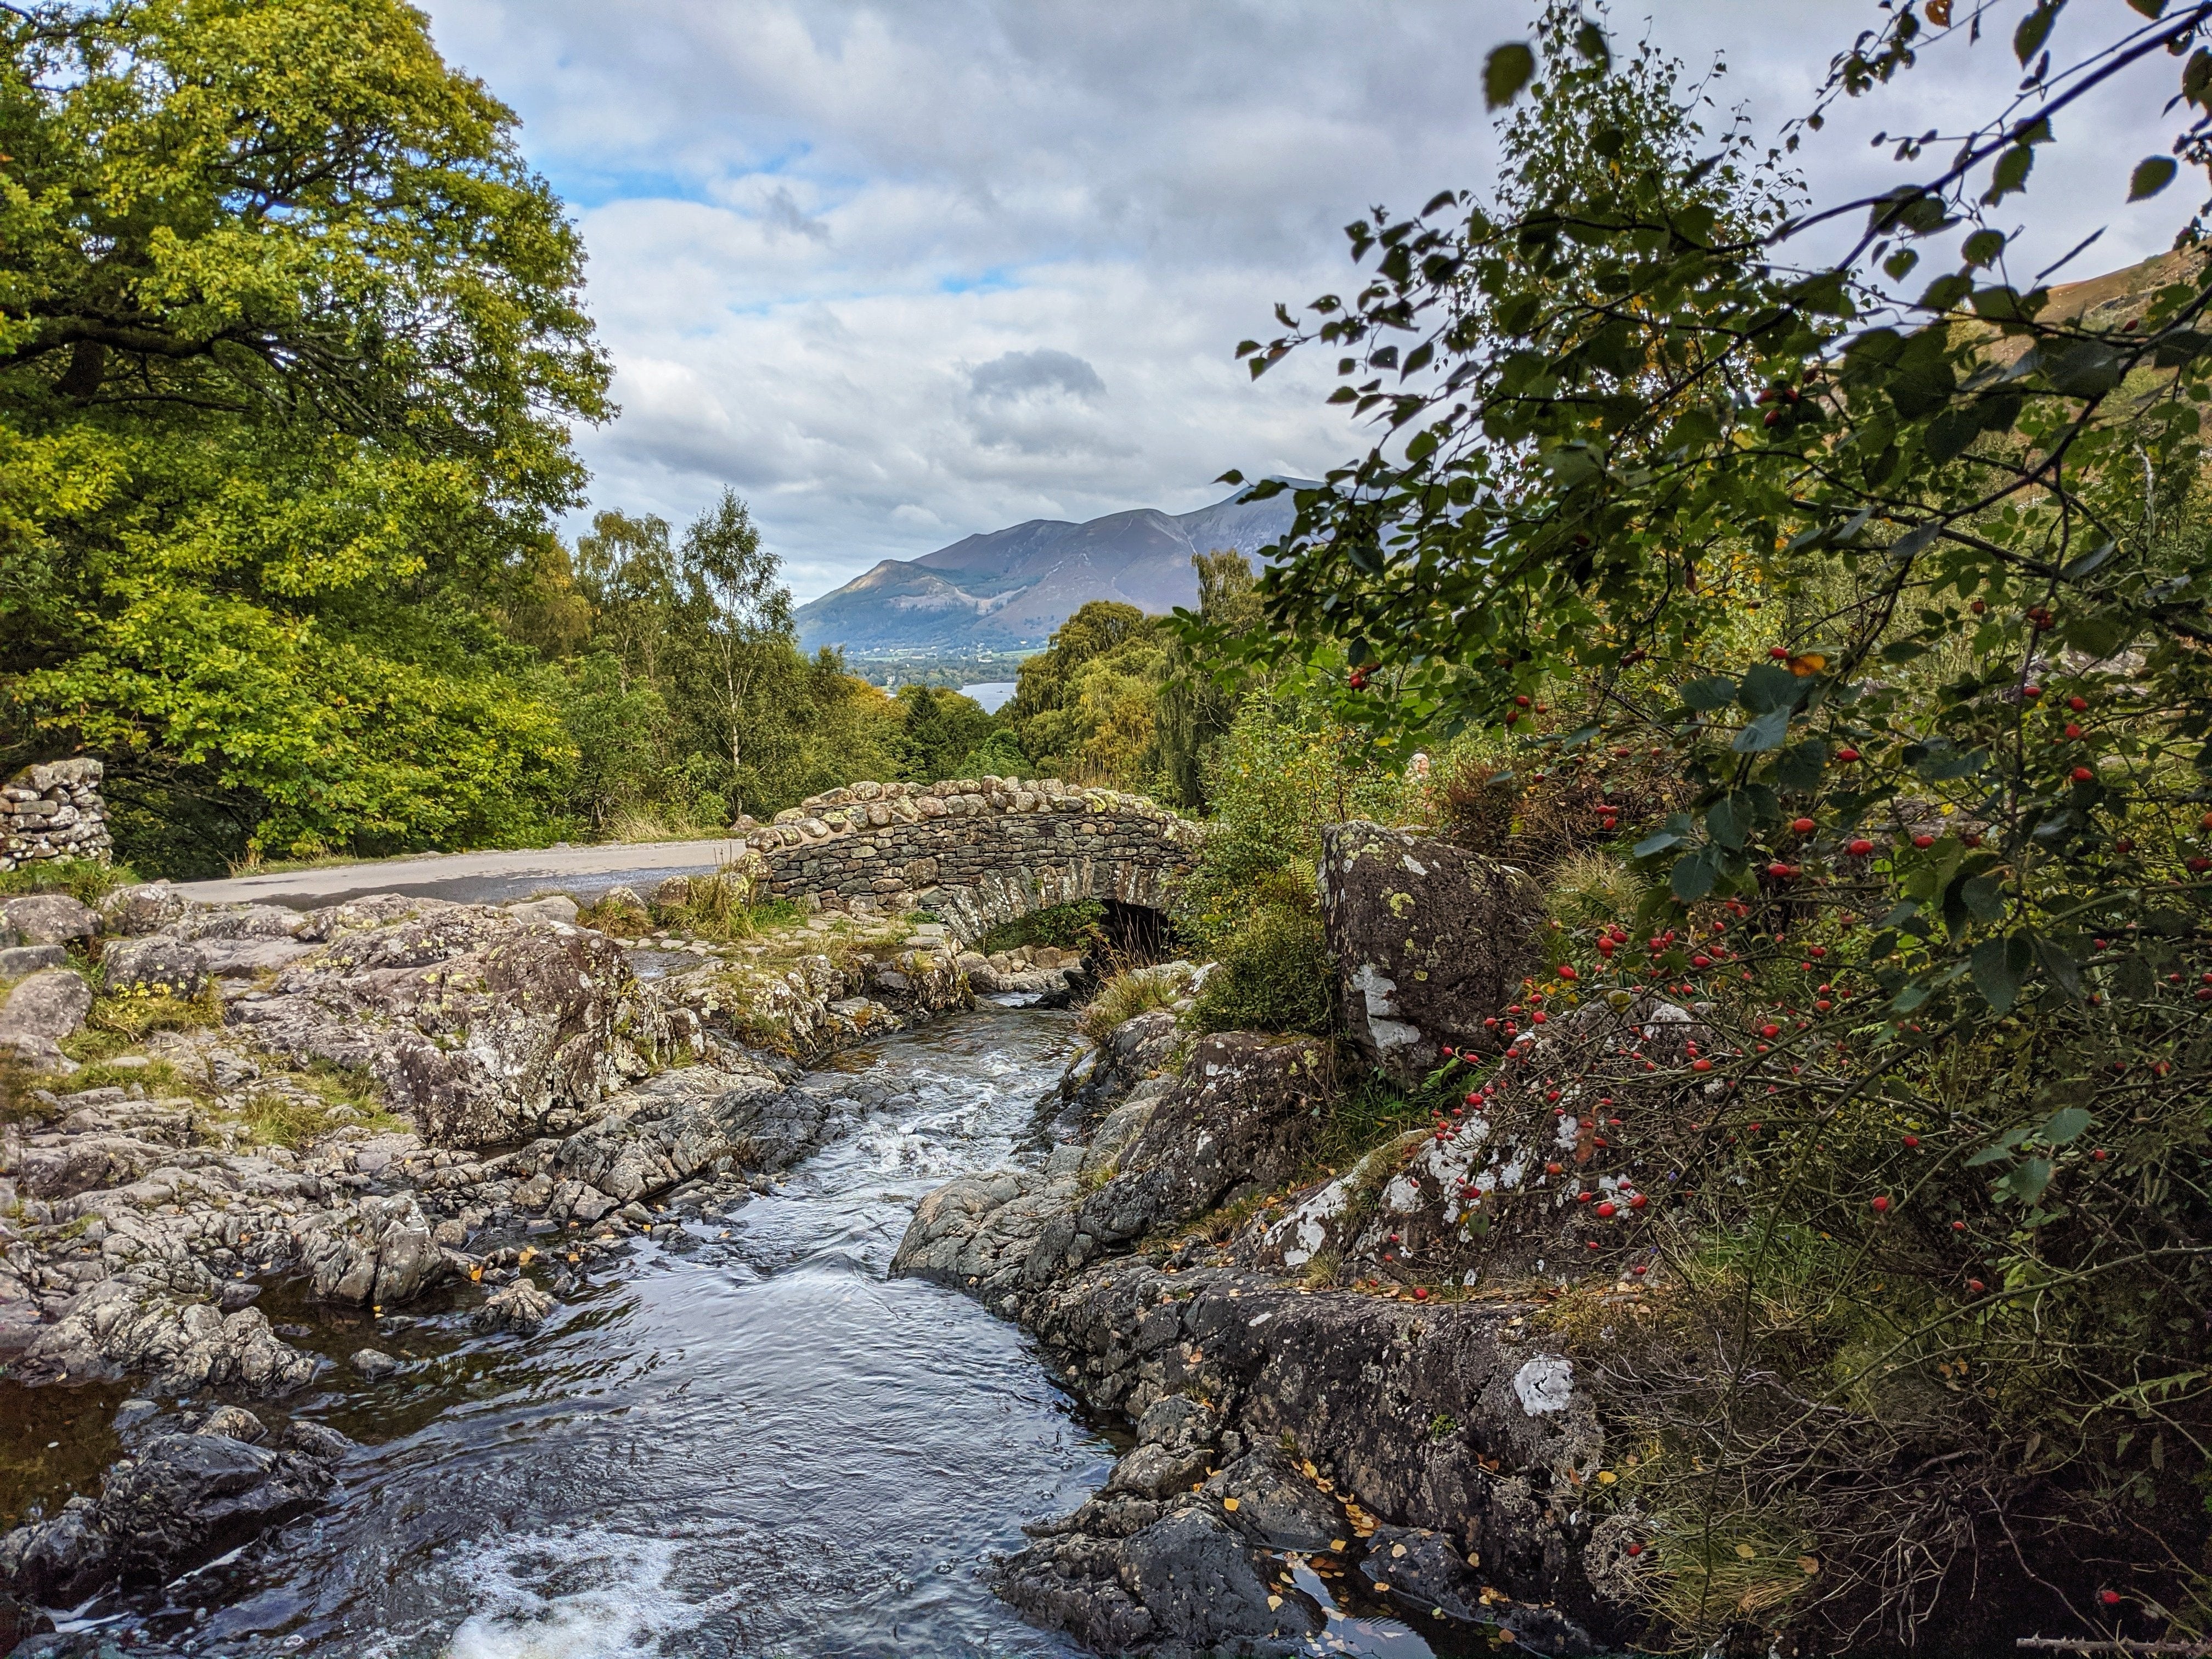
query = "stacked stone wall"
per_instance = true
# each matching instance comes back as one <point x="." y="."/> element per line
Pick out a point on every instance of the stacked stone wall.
<point x="976" y="851"/>
<point x="53" y="812"/>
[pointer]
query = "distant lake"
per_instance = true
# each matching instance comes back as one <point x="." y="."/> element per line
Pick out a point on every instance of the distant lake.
<point x="990" y="694"/>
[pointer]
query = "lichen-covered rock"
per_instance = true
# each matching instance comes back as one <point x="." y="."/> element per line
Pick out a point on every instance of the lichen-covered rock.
<point x="154" y="966"/>
<point x="42" y="1010"/>
<point x="1421" y="1571"/>
<point x="1237" y="1119"/>
<point x="487" y="1028"/>
<point x="1429" y="938"/>
<point x="47" y="919"/>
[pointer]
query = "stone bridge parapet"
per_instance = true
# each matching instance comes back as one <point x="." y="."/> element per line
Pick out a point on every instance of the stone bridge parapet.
<point x="977" y="852"/>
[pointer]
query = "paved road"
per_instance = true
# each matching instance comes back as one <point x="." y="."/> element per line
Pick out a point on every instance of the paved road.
<point x="476" y="878"/>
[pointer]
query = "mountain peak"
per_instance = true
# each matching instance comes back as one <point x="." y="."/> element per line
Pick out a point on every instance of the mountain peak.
<point x="1006" y="590"/>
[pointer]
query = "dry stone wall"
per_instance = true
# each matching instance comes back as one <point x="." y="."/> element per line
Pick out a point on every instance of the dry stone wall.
<point x="976" y="851"/>
<point x="53" y="812"/>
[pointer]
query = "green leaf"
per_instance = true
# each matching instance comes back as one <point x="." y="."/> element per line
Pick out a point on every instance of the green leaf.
<point x="1676" y="830"/>
<point x="1999" y="968"/>
<point x="1984" y="898"/>
<point x="1507" y="69"/>
<point x="1769" y="731"/>
<point x="2026" y="1180"/>
<point x="2066" y="1124"/>
<point x="1714" y="691"/>
<point x="2035" y="28"/>
<point x="1768" y="686"/>
<point x="2097" y="635"/>
<point x="1801" y="764"/>
<point x="1693" y="875"/>
<point x="1591" y="42"/>
<point x="1982" y="247"/>
<point x="2152" y="174"/>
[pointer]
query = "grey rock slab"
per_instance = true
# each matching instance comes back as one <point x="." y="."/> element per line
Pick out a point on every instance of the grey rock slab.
<point x="154" y="966"/>
<point x="17" y="960"/>
<point x="42" y="1010"/>
<point x="49" y="919"/>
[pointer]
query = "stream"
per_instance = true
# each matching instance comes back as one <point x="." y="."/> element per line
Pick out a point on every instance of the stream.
<point x="740" y="1439"/>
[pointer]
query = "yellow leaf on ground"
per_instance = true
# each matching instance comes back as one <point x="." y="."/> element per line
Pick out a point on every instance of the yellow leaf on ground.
<point x="1810" y="1563"/>
<point x="1746" y="1551"/>
<point x="1228" y="1503"/>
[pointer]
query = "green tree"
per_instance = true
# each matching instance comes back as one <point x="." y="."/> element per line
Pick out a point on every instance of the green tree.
<point x="939" y="731"/>
<point x="1083" y="709"/>
<point x="744" y="614"/>
<point x="290" y="342"/>
<point x="627" y="570"/>
<point x="1196" y="706"/>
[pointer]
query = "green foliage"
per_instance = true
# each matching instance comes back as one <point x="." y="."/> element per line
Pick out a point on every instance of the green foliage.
<point x="289" y="346"/>
<point x="1132" y="992"/>
<point x="998" y="755"/>
<point x="86" y="880"/>
<point x="1909" y="593"/>
<point x="938" y="731"/>
<point x="1083" y="709"/>
<point x="1273" y="973"/>
<point x="1078" y="927"/>
<point x="1196" y="708"/>
<point x="1284" y="768"/>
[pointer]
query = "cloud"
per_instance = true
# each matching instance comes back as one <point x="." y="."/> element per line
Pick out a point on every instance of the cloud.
<point x="898" y="273"/>
<point x="1016" y="374"/>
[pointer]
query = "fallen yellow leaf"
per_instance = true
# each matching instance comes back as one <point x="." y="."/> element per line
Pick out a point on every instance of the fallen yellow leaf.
<point x="1607" y="1477"/>
<point x="1746" y="1551"/>
<point x="1274" y="1602"/>
<point x="1809" y="1565"/>
<point x="1397" y="1549"/>
<point x="1228" y="1503"/>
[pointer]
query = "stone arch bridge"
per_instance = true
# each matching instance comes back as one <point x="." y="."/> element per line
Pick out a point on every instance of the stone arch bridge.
<point x="977" y="852"/>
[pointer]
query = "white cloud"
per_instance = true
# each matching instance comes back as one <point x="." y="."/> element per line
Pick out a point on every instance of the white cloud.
<point x="849" y="256"/>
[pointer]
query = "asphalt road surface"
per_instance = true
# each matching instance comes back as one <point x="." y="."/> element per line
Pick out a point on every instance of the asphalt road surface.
<point x="583" y="872"/>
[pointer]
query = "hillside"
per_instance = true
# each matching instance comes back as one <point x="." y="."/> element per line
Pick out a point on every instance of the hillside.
<point x="1009" y="589"/>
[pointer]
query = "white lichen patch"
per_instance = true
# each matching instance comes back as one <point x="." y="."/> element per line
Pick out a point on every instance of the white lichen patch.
<point x="1545" y="1383"/>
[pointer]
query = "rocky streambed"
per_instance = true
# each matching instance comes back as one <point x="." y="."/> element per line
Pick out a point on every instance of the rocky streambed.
<point x="465" y="1291"/>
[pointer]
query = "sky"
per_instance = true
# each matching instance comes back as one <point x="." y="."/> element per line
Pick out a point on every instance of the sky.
<point x="902" y="272"/>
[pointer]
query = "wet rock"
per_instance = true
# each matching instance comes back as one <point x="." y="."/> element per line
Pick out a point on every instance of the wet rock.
<point x="42" y="1010"/>
<point x="520" y="1307"/>
<point x="380" y="1254"/>
<point x="183" y="1500"/>
<point x="47" y="919"/>
<point x="1277" y="1506"/>
<point x="1421" y="1570"/>
<point x="1183" y="1586"/>
<point x="235" y="1423"/>
<point x="1238" y="1120"/>
<point x="374" y="1363"/>
<point x="1431" y="1416"/>
<point x="1429" y="940"/>
<point x="18" y="1622"/>
<point x="316" y="1440"/>
<point x="976" y="1232"/>
<point x="119" y="1325"/>
<point x="155" y="966"/>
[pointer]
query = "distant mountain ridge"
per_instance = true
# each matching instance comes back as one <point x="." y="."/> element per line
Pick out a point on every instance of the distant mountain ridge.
<point x="1008" y="590"/>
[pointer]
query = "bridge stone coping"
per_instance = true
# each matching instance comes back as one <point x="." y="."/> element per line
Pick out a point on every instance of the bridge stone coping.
<point x="977" y="852"/>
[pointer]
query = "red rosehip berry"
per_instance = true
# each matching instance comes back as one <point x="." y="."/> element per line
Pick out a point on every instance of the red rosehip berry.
<point x="2083" y="775"/>
<point x="1803" y="826"/>
<point x="1861" y="848"/>
<point x="1881" y="1203"/>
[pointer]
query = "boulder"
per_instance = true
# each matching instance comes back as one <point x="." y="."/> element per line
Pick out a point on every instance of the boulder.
<point x="119" y="1325"/>
<point x="1429" y="940"/>
<point x="520" y="1306"/>
<point x="1237" y="1121"/>
<point x="154" y="966"/>
<point x="48" y="919"/>
<point x="382" y="1255"/>
<point x="183" y="1500"/>
<point x="17" y="960"/>
<point x="1420" y="1569"/>
<point x="554" y="907"/>
<point x="41" y="1009"/>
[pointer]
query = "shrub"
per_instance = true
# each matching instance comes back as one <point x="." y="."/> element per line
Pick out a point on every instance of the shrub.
<point x="1078" y="927"/>
<point x="1274" y="974"/>
<point x="86" y="880"/>
<point x="1137" y="991"/>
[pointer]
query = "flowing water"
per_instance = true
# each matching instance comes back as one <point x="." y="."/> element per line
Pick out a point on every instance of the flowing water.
<point x="740" y="1440"/>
